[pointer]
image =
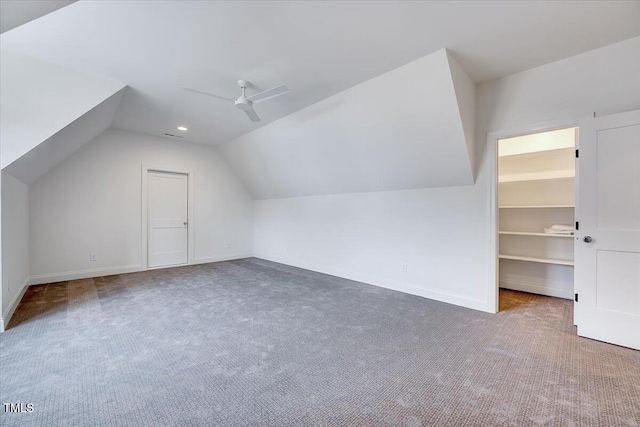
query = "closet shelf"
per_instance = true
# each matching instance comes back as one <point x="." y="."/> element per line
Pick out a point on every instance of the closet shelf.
<point x="537" y="207"/>
<point x="527" y="233"/>
<point x="541" y="260"/>
<point x="537" y="176"/>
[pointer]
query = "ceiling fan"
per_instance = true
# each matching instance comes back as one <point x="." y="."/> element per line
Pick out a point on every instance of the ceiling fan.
<point x="243" y="102"/>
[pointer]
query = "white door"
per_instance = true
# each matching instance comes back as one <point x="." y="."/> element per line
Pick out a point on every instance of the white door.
<point x="167" y="219"/>
<point x="608" y="240"/>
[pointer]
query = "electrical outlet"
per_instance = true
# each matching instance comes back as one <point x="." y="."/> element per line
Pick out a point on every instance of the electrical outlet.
<point x="405" y="268"/>
<point x="9" y="285"/>
<point x="228" y="246"/>
<point x="93" y="257"/>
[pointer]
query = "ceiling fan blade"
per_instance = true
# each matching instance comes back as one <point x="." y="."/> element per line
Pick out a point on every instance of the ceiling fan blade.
<point x="207" y="94"/>
<point x="252" y="115"/>
<point x="268" y="94"/>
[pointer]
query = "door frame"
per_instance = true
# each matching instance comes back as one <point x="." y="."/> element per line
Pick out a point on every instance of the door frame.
<point x="144" y="220"/>
<point x="494" y="211"/>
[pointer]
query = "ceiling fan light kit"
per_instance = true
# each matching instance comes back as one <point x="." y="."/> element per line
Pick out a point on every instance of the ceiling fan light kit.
<point x="243" y="102"/>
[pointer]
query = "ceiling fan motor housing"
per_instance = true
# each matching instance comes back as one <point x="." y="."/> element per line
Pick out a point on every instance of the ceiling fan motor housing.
<point x="243" y="103"/>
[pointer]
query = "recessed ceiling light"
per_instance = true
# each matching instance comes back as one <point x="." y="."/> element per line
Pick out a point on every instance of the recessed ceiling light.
<point x="182" y="128"/>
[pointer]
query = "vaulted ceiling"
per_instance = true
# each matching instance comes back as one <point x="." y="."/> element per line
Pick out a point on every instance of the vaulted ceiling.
<point x="39" y="100"/>
<point x="316" y="48"/>
<point x="340" y="59"/>
<point x="14" y="13"/>
<point x="409" y="128"/>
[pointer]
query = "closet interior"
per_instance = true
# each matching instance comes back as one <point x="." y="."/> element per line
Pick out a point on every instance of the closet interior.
<point x="536" y="198"/>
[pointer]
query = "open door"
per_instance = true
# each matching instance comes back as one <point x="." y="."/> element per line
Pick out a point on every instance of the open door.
<point x="607" y="248"/>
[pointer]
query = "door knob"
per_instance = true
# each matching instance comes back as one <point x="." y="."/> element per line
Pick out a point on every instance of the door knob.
<point x="185" y="223"/>
<point x="587" y="239"/>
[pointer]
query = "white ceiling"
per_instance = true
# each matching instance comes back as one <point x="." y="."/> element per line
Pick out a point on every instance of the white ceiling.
<point x="14" y="13"/>
<point x="316" y="48"/>
<point x="409" y="128"/>
<point x="39" y="99"/>
<point x="54" y="150"/>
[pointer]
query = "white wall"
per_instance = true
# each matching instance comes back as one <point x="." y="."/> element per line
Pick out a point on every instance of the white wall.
<point x="15" y="243"/>
<point x="38" y="99"/>
<point x="404" y="129"/>
<point x="52" y="151"/>
<point x="604" y="81"/>
<point x="92" y="203"/>
<point x="367" y="237"/>
<point x="443" y="234"/>
<point x="16" y="13"/>
<point x="1" y="254"/>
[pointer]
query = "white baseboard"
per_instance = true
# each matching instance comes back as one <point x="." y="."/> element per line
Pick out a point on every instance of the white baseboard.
<point x="382" y="282"/>
<point x="39" y="279"/>
<point x="6" y="316"/>
<point x="536" y="288"/>
<point x="220" y="258"/>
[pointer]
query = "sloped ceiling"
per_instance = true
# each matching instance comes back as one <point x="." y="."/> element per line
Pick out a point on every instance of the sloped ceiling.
<point x="45" y="156"/>
<point x="14" y="13"/>
<point x="409" y="128"/>
<point x="38" y="100"/>
<point x="316" y="48"/>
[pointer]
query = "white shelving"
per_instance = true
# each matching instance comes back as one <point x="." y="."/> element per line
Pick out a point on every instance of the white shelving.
<point x="535" y="259"/>
<point x="528" y="233"/>
<point x="539" y="207"/>
<point x="537" y="176"/>
<point x="536" y="191"/>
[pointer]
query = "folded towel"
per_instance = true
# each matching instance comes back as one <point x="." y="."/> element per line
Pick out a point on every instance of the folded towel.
<point x="550" y="231"/>
<point x="560" y="229"/>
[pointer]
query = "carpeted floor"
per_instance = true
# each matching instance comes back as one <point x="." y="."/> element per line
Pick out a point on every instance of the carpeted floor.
<point x="251" y="342"/>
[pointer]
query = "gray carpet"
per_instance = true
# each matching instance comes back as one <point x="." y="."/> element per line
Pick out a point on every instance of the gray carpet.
<point x="251" y="342"/>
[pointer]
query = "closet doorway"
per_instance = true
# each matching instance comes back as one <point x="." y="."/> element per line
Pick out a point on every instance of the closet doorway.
<point x="536" y="212"/>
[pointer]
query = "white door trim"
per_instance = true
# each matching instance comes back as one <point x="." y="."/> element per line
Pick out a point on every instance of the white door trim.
<point x="492" y="153"/>
<point x="144" y="261"/>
